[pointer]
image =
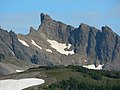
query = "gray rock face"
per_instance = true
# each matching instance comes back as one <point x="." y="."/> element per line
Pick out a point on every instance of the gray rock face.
<point x="79" y="37"/>
<point x="18" y="49"/>
<point x="107" y="43"/>
<point x="55" y="30"/>
<point x="89" y="44"/>
<point x="11" y="47"/>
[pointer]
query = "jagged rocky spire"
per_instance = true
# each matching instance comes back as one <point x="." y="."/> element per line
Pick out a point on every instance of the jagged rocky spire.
<point x="44" y="17"/>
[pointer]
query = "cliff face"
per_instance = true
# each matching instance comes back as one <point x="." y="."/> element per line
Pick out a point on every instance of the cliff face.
<point x="55" y="43"/>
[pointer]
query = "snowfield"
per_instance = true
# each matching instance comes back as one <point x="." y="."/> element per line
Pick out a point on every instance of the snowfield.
<point x="20" y="84"/>
<point x="60" y="47"/>
<point x="33" y="42"/>
<point x="92" y="66"/>
<point x="23" y="42"/>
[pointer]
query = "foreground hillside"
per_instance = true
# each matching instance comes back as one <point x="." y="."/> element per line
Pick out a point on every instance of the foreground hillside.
<point x="70" y="78"/>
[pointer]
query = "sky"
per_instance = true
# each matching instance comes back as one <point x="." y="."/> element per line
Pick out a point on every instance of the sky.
<point x="20" y="15"/>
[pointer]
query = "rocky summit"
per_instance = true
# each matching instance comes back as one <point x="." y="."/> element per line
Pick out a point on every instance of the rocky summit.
<point x="56" y="43"/>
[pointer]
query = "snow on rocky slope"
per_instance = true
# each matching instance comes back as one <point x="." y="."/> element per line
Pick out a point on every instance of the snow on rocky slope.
<point x="34" y="43"/>
<point x="92" y="66"/>
<point x="23" y="42"/>
<point x="60" y="47"/>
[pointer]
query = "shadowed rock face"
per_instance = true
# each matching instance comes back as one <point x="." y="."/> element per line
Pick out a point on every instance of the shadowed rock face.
<point x="88" y="43"/>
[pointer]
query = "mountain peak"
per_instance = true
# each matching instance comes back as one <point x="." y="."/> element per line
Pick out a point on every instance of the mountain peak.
<point x="32" y="30"/>
<point x="44" y="17"/>
<point x="84" y="26"/>
<point x="106" y="29"/>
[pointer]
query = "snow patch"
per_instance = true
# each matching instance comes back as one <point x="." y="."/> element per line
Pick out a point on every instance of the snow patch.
<point x="92" y="66"/>
<point x="48" y="50"/>
<point x="33" y="42"/>
<point x="69" y="45"/>
<point x="11" y="84"/>
<point x="23" y="42"/>
<point x="19" y="70"/>
<point x="85" y="60"/>
<point x="12" y="52"/>
<point x="60" y="47"/>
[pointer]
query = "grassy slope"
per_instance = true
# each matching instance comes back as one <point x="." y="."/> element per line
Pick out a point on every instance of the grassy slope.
<point x="54" y="75"/>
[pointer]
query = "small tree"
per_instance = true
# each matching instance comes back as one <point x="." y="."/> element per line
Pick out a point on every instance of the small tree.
<point x="96" y="76"/>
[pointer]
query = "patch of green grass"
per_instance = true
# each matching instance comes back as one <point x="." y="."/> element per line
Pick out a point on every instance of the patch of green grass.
<point x="61" y="74"/>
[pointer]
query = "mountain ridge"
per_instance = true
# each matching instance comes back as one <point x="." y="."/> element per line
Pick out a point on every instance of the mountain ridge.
<point x="56" y="43"/>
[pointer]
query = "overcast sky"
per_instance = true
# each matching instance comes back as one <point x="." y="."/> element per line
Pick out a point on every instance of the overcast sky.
<point x="19" y="15"/>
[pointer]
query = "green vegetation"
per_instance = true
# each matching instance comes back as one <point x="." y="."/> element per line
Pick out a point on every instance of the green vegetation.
<point x="83" y="79"/>
<point x="75" y="84"/>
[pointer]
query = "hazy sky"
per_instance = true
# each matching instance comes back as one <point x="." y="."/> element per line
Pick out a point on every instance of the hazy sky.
<point x="19" y="15"/>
